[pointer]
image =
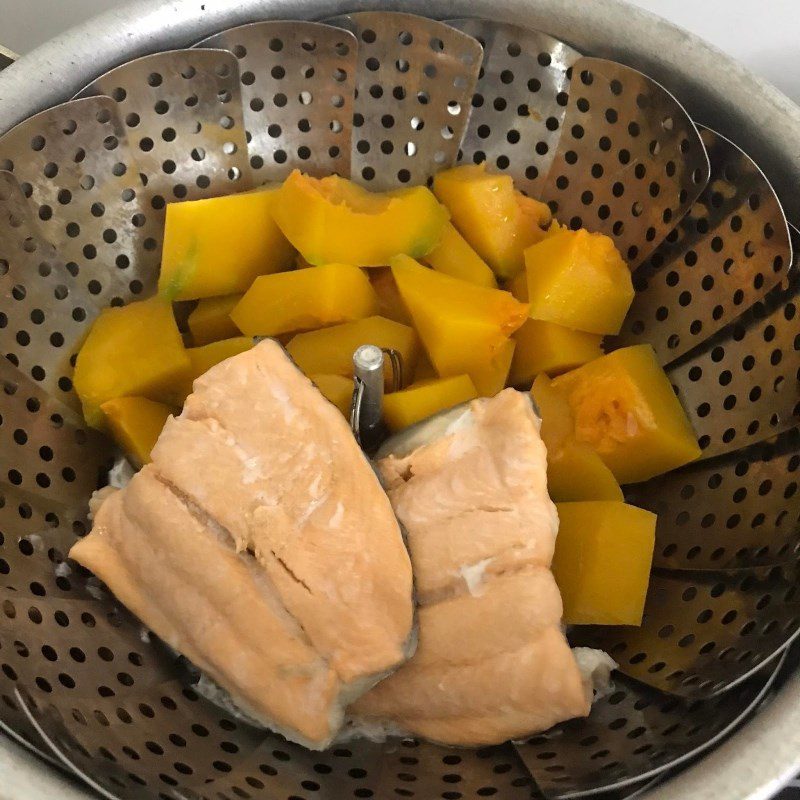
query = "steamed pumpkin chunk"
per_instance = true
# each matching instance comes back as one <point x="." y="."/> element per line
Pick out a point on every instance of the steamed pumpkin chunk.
<point x="518" y="286"/>
<point x="491" y="374"/>
<point x="498" y="221"/>
<point x="330" y="351"/>
<point x="337" y="389"/>
<point x="577" y="473"/>
<point x="424" y="399"/>
<point x="332" y="220"/>
<point x="211" y="320"/>
<point x="136" y="350"/>
<point x="453" y="256"/>
<point x="135" y="424"/>
<point x="464" y="328"/>
<point x="602" y="562"/>
<point x="390" y="304"/>
<point x="578" y="279"/>
<point x="626" y="410"/>
<point x="221" y="245"/>
<point x="305" y="299"/>
<point x="424" y="370"/>
<point x="574" y="470"/>
<point x="550" y="348"/>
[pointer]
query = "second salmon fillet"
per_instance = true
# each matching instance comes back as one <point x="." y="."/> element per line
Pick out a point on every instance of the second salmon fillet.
<point x="259" y="543"/>
<point x="492" y="662"/>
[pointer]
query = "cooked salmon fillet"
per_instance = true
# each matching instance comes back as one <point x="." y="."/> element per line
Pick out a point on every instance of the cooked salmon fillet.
<point x="260" y="543"/>
<point x="180" y="575"/>
<point x="492" y="661"/>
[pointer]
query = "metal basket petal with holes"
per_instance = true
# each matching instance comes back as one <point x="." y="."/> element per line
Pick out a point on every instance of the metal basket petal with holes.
<point x="592" y="107"/>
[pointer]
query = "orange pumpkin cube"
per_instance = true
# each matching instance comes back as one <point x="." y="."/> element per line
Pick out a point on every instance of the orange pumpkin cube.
<point x="390" y="304"/>
<point x="329" y="351"/>
<point x="207" y="356"/>
<point x="422" y="400"/>
<point x="453" y="256"/>
<point x="625" y="409"/>
<point x="490" y="373"/>
<point x="211" y="320"/>
<point x="337" y="389"/>
<point x="550" y="348"/>
<point x="305" y="299"/>
<point x="136" y="423"/>
<point x="220" y="245"/>
<point x="333" y="220"/>
<point x="131" y="351"/>
<point x="578" y="279"/>
<point x="602" y="562"/>
<point x="574" y="470"/>
<point x="498" y="221"/>
<point x="464" y="328"/>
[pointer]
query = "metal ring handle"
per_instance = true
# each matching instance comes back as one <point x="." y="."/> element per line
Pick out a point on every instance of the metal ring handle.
<point x="355" y="408"/>
<point x="396" y="360"/>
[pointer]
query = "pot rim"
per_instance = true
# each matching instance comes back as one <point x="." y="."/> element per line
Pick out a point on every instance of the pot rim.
<point x="716" y="90"/>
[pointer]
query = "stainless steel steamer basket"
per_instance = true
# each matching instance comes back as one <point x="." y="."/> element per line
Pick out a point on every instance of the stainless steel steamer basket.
<point x="716" y="91"/>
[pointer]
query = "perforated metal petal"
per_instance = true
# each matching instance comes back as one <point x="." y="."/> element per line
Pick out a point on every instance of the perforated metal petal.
<point x="123" y="771"/>
<point x="724" y="255"/>
<point x="182" y="113"/>
<point x="74" y="164"/>
<point x="743" y="385"/>
<point x="15" y="724"/>
<point x="46" y="310"/>
<point x="630" y="163"/>
<point x="101" y="774"/>
<point x="98" y="637"/>
<point x="520" y="100"/>
<point x="705" y="632"/>
<point x="97" y="724"/>
<point x="633" y="732"/>
<point x="735" y="511"/>
<point x="130" y="724"/>
<point x="44" y="450"/>
<point x="401" y="768"/>
<point x="37" y="533"/>
<point x="414" y="85"/>
<point x="298" y="81"/>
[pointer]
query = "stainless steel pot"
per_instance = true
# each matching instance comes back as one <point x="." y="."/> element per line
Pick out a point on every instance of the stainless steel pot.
<point x="717" y="92"/>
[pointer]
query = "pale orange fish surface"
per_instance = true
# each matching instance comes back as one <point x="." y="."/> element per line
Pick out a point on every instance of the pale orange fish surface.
<point x="492" y="661"/>
<point x="260" y="544"/>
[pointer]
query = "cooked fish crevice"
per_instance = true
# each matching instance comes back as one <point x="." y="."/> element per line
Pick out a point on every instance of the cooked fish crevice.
<point x="290" y="573"/>
<point x="248" y="556"/>
<point x="447" y="625"/>
<point x="465" y="584"/>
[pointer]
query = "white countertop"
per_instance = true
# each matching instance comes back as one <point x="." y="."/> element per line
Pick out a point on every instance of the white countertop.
<point x="762" y="35"/>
